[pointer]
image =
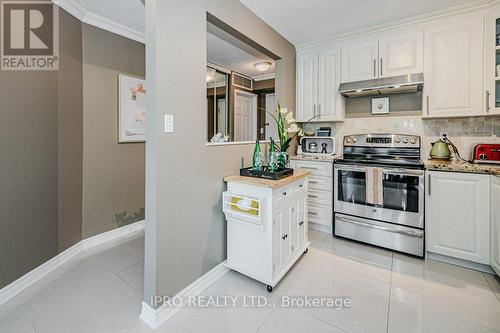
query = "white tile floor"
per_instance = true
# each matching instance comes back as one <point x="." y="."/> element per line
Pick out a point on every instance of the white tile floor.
<point x="389" y="293"/>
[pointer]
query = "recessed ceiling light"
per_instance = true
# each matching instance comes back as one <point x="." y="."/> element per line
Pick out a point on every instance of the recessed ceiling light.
<point x="262" y="66"/>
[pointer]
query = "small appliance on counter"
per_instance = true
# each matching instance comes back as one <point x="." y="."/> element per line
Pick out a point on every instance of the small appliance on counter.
<point x="486" y="153"/>
<point x="440" y="150"/>
<point x="320" y="145"/>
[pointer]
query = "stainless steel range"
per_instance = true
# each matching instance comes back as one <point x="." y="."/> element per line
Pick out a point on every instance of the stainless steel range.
<point x="379" y="192"/>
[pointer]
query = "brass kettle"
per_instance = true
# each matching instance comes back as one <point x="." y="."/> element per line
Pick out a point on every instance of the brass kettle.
<point x="440" y="150"/>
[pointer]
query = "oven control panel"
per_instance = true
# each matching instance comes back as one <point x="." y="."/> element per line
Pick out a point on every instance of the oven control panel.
<point x="382" y="140"/>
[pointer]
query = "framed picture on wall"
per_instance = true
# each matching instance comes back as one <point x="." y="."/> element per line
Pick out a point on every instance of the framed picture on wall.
<point x="131" y="109"/>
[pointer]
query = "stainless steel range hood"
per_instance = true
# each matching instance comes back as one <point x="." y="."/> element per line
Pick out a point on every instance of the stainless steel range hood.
<point x="386" y="86"/>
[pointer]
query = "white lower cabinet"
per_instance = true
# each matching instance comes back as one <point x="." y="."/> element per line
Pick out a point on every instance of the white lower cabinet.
<point x="495" y="224"/>
<point x="457" y="215"/>
<point x="264" y="241"/>
<point x="320" y="194"/>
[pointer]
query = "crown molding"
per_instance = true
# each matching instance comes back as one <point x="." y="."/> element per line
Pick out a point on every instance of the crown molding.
<point x="437" y="14"/>
<point x="98" y="21"/>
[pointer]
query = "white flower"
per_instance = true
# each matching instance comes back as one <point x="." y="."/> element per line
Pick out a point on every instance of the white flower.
<point x="289" y="118"/>
<point x="284" y="110"/>
<point x="293" y="128"/>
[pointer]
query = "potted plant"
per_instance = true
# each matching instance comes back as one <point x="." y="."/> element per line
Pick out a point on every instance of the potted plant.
<point x="287" y="131"/>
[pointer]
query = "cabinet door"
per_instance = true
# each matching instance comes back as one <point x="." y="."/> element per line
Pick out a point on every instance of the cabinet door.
<point x="277" y="241"/>
<point x="453" y="70"/>
<point x="360" y="61"/>
<point x="286" y="244"/>
<point x="457" y="215"/>
<point x="493" y="63"/>
<point x="307" y="85"/>
<point x="329" y="100"/>
<point x="495" y="224"/>
<point x="294" y="215"/>
<point x="301" y="221"/>
<point x="402" y="54"/>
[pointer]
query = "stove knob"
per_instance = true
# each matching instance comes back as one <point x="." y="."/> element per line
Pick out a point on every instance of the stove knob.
<point x="405" y="140"/>
<point x="397" y="139"/>
<point x="348" y="140"/>
<point x="413" y="141"/>
<point x="354" y="140"/>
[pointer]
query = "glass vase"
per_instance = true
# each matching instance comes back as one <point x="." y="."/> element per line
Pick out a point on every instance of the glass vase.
<point x="282" y="160"/>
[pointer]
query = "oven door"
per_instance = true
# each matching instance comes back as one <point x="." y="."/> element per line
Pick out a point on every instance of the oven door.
<point x="402" y="190"/>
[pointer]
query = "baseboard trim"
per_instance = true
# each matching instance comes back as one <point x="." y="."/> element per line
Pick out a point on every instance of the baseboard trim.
<point x="78" y="251"/>
<point x="460" y="262"/>
<point x="320" y="228"/>
<point x="154" y="318"/>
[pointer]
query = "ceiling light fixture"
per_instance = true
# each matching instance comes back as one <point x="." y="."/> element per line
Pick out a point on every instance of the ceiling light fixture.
<point x="262" y="66"/>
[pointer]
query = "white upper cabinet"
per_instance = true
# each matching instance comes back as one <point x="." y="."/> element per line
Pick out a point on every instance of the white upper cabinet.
<point x="307" y="81"/>
<point x="390" y="56"/>
<point x="329" y="101"/>
<point x="401" y="54"/>
<point x="318" y="80"/>
<point x="454" y="71"/>
<point x="493" y="63"/>
<point x="360" y="61"/>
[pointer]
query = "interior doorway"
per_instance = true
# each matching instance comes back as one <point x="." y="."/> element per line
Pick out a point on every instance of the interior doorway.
<point x="245" y="116"/>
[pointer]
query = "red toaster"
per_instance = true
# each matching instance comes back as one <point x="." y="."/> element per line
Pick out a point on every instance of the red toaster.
<point x="486" y="153"/>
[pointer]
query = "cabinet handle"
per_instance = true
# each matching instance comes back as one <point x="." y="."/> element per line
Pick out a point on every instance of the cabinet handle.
<point x="312" y="196"/>
<point x="308" y="168"/>
<point x="429" y="185"/>
<point x="319" y="110"/>
<point x="487" y="101"/>
<point x="311" y="213"/>
<point x="301" y="223"/>
<point x="428" y="104"/>
<point x="284" y="193"/>
<point x="312" y="182"/>
<point x="314" y="110"/>
<point x="374" y="67"/>
<point x="301" y="185"/>
<point x="381" y="66"/>
<point x="283" y="237"/>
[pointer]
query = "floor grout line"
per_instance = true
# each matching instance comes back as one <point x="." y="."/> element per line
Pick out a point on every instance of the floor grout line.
<point x="390" y="292"/>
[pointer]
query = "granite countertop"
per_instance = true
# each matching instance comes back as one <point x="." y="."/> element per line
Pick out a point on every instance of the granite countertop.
<point x="313" y="158"/>
<point x="297" y="174"/>
<point x="461" y="166"/>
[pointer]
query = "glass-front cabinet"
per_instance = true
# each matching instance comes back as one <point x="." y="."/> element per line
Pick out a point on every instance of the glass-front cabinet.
<point x="493" y="64"/>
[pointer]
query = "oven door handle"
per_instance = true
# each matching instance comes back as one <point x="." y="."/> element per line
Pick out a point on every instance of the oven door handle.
<point x="373" y="226"/>
<point x="350" y="168"/>
<point x="403" y="172"/>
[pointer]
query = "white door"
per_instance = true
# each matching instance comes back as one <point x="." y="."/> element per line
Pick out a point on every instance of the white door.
<point x="245" y="116"/>
<point x="453" y="70"/>
<point x="360" y="61"/>
<point x="329" y="99"/>
<point x="402" y="54"/>
<point x="271" y="130"/>
<point x="457" y="215"/>
<point x="307" y="81"/>
<point x="495" y="224"/>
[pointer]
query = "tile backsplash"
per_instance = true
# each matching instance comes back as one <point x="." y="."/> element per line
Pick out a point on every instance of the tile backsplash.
<point x="463" y="132"/>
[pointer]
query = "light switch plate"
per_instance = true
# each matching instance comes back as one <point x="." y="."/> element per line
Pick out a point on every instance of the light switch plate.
<point x="380" y="105"/>
<point x="169" y="123"/>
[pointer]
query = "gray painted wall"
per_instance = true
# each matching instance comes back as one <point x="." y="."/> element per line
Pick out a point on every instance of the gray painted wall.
<point x="113" y="174"/>
<point x="33" y="147"/>
<point x="185" y="228"/>
<point x="70" y="131"/>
